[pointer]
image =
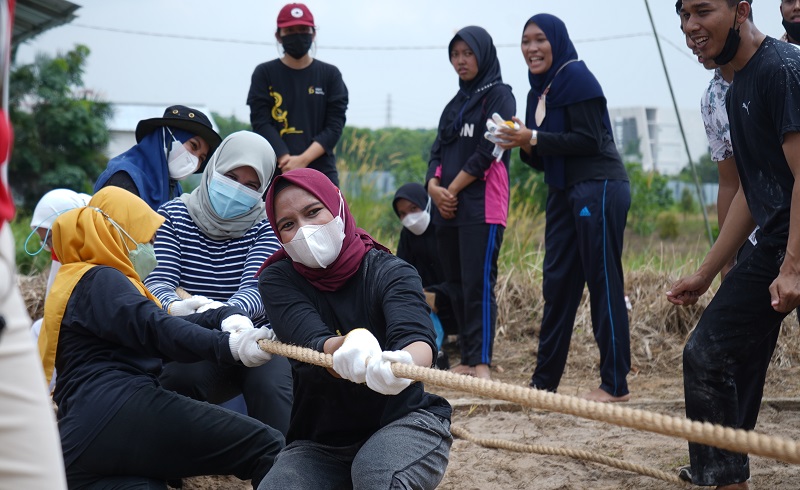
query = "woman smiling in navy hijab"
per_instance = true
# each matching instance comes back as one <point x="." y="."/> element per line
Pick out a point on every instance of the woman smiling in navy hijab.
<point x="568" y="135"/>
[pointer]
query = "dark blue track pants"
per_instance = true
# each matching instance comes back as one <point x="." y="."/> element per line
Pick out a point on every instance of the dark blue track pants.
<point x="583" y="246"/>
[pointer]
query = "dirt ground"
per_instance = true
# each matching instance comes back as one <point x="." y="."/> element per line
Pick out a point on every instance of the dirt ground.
<point x="654" y="387"/>
<point x="658" y="332"/>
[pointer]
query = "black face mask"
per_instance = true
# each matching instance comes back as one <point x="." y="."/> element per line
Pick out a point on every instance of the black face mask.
<point x="297" y="45"/>
<point x="731" y="46"/>
<point x="793" y="30"/>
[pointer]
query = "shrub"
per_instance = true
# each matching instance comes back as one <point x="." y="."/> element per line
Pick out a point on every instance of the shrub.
<point x="668" y="228"/>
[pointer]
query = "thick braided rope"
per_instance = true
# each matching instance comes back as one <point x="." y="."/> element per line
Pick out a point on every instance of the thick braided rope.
<point x="462" y="433"/>
<point x="738" y="440"/>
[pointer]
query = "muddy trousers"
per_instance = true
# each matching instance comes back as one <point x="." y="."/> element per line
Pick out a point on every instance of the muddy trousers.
<point x="584" y="232"/>
<point x="726" y="358"/>
<point x="469" y="260"/>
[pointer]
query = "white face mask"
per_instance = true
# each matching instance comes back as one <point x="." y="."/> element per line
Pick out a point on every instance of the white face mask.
<point x="318" y="246"/>
<point x="181" y="162"/>
<point x="418" y="222"/>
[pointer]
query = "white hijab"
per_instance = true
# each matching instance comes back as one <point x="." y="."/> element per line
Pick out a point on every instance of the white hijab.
<point x="55" y="202"/>
<point x="240" y="149"/>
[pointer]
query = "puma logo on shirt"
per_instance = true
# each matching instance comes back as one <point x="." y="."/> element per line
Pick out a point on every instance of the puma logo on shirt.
<point x="746" y="107"/>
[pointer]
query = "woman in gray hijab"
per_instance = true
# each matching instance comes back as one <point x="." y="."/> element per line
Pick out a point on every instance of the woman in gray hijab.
<point x="209" y="249"/>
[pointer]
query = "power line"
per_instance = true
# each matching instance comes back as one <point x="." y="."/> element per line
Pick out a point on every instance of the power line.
<point x="347" y="48"/>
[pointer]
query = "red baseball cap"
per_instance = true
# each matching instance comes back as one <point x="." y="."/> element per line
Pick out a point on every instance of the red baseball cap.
<point x="295" y="14"/>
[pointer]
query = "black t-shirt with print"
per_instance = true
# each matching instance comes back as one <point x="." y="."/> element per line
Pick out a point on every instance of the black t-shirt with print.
<point x="293" y="108"/>
<point x="763" y="105"/>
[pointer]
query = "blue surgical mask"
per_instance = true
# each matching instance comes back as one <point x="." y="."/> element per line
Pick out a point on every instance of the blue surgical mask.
<point x="229" y="198"/>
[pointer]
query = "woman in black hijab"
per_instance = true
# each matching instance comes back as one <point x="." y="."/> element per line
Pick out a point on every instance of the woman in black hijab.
<point x="418" y="246"/>
<point x="469" y="186"/>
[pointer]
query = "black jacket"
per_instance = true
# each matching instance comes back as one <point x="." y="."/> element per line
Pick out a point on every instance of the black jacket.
<point x="112" y="342"/>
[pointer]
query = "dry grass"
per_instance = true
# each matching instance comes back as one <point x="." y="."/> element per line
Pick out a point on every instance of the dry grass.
<point x="658" y="332"/>
<point x="658" y="329"/>
<point x="33" y="287"/>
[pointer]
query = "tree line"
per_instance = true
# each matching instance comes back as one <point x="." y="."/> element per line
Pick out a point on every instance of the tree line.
<point x="61" y="131"/>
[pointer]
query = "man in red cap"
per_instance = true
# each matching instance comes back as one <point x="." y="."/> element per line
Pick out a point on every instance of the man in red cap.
<point x="296" y="102"/>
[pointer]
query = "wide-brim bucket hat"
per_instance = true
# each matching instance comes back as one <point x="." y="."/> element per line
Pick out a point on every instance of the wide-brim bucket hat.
<point x="187" y="119"/>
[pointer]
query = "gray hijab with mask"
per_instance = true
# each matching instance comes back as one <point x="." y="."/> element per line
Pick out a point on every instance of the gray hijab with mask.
<point x="240" y="149"/>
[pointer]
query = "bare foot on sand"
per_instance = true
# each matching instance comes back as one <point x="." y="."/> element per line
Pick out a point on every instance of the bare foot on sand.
<point x="482" y="371"/>
<point x="600" y="395"/>
<point x="463" y="369"/>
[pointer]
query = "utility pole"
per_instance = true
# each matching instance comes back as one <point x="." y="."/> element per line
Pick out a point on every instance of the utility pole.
<point x="680" y="126"/>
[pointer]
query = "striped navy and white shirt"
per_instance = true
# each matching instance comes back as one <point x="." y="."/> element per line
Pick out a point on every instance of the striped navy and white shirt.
<point x="219" y="270"/>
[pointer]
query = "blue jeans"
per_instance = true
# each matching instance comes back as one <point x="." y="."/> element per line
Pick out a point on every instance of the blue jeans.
<point x="411" y="452"/>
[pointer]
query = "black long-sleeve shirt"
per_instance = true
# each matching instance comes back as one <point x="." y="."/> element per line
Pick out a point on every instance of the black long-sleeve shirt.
<point x="588" y="149"/>
<point x="472" y="153"/>
<point x="293" y="108"/>
<point x="385" y="297"/>
<point x="112" y="342"/>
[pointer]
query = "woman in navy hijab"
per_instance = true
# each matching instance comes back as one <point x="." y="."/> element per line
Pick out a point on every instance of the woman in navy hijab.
<point x="469" y="186"/>
<point x="567" y="134"/>
<point x="168" y="149"/>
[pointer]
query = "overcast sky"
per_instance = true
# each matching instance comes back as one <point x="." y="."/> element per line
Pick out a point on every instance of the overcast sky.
<point x="134" y="57"/>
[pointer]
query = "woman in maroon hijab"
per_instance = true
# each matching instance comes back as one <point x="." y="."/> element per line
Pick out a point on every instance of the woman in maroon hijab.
<point x="334" y="289"/>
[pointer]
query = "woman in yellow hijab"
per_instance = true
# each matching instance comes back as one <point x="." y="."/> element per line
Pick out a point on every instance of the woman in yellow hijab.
<point x="107" y="335"/>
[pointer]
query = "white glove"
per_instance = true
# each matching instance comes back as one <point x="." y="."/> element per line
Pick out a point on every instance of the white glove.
<point x="235" y="323"/>
<point x="380" y="377"/>
<point x="187" y="306"/>
<point x="244" y="346"/>
<point x="491" y="125"/>
<point x="350" y="360"/>
<point x="211" y="305"/>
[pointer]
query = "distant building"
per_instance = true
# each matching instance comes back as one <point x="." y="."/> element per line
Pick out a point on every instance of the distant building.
<point x="33" y="17"/>
<point x="122" y="125"/>
<point x="652" y="135"/>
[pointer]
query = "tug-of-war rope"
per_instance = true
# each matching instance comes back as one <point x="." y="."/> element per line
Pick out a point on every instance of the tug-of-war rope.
<point x="751" y="442"/>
